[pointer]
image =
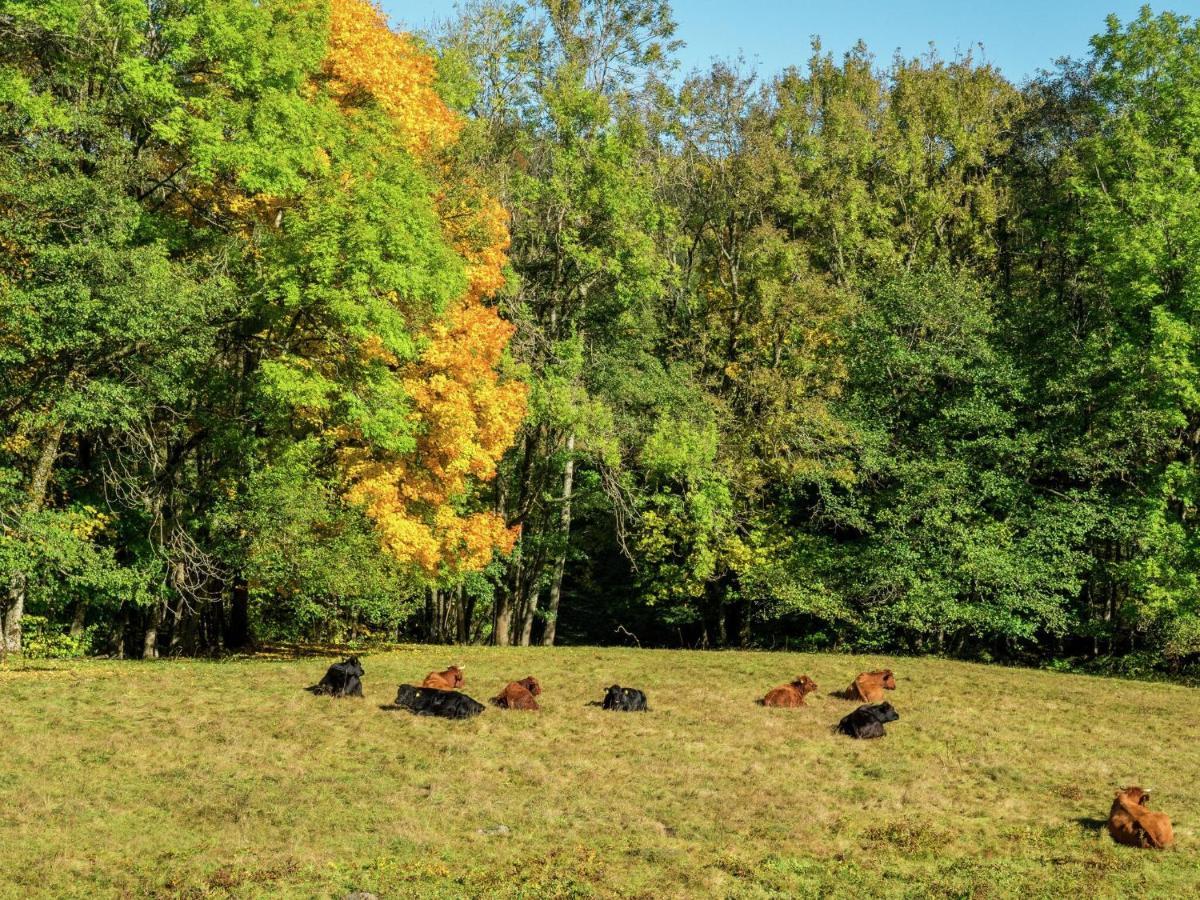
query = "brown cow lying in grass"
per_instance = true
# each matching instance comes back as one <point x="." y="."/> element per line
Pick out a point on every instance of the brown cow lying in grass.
<point x="519" y="694"/>
<point x="790" y="695"/>
<point x="1132" y="824"/>
<point x="449" y="680"/>
<point x="869" y="686"/>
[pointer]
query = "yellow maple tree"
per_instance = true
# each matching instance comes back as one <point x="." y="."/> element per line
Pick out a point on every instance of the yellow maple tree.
<point x="464" y="413"/>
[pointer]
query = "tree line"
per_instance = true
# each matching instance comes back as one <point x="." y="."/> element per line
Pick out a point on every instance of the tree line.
<point x="514" y="333"/>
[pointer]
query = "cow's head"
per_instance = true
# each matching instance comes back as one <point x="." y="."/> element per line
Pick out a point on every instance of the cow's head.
<point x="804" y="685"/>
<point x="354" y="667"/>
<point x="882" y="712"/>
<point x="455" y="674"/>
<point x="1135" y="795"/>
<point x="886" y="678"/>
<point x="407" y="694"/>
<point x="531" y="684"/>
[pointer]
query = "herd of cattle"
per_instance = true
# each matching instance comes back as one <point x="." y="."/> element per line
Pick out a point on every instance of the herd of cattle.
<point x="1130" y="822"/>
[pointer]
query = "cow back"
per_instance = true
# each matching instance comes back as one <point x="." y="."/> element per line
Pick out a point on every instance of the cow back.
<point x="785" y="696"/>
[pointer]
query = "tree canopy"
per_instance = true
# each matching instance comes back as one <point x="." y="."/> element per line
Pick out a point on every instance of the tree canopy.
<point x="513" y="332"/>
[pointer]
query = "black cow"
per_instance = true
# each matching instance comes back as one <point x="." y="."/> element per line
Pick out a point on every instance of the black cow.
<point x="424" y="701"/>
<point x="867" y="721"/>
<point x="343" y="679"/>
<point x="625" y="699"/>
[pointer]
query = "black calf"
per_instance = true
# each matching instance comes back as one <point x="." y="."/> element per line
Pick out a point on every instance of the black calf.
<point x="343" y="679"/>
<point x="867" y="721"/>
<point x="625" y="699"/>
<point x="430" y="702"/>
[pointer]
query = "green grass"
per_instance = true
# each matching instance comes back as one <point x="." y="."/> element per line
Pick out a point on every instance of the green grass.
<point x="214" y="779"/>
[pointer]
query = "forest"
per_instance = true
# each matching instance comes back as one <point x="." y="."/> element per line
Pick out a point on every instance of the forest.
<point x="516" y="333"/>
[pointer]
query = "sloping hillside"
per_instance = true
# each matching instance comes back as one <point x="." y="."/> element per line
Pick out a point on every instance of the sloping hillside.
<point x="226" y="779"/>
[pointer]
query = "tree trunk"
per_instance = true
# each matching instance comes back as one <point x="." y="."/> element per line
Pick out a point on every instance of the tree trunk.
<point x="122" y="625"/>
<point x="14" y="608"/>
<point x="175" y="620"/>
<point x="561" y="563"/>
<point x="462" y="619"/>
<point x="502" y="622"/>
<point x="527" y="619"/>
<point x="150" y="643"/>
<point x="79" y="620"/>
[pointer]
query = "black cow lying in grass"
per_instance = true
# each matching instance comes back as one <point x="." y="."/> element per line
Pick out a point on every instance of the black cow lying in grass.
<point x="423" y="701"/>
<point x="343" y="679"/>
<point x="867" y="721"/>
<point x="624" y="699"/>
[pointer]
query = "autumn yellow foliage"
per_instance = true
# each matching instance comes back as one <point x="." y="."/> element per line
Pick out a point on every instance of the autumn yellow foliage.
<point x="368" y="59"/>
<point x="465" y="415"/>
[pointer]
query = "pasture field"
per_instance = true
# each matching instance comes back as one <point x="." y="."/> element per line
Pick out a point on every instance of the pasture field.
<point x="225" y="779"/>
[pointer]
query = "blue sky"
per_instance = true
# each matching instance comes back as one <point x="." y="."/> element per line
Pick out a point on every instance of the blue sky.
<point x="1019" y="36"/>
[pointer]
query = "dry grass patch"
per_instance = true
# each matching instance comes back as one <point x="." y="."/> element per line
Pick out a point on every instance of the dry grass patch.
<point x="225" y="779"/>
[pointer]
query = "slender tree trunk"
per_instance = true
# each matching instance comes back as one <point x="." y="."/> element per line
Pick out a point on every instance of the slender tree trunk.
<point x="462" y="620"/>
<point x="449" y="599"/>
<point x="508" y="603"/>
<point x="527" y="619"/>
<point x="150" y="643"/>
<point x="561" y="563"/>
<point x="14" y="611"/>
<point x="502" y="626"/>
<point x="175" y="628"/>
<point x="469" y="623"/>
<point x="122" y="626"/>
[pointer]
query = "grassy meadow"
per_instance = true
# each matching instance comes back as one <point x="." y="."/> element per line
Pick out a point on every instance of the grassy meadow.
<point x="225" y="779"/>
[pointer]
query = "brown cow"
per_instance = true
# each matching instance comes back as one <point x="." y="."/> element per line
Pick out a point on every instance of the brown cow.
<point x="1130" y="823"/>
<point x="519" y="694"/>
<point x="449" y="680"/>
<point x="790" y="695"/>
<point x="869" y="686"/>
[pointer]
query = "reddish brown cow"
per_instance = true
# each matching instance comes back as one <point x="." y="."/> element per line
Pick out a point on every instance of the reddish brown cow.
<point x="1132" y="824"/>
<point x="790" y="695"/>
<point x="869" y="686"/>
<point x="449" y="680"/>
<point x="519" y="694"/>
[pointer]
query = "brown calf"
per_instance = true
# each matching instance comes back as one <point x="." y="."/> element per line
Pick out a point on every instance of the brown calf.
<point x="869" y="686"/>
<point x="449" y="680"/>
<point x="519" y="694"/>
<point x="790" y="695"/>
<point x="1132" y="824"/>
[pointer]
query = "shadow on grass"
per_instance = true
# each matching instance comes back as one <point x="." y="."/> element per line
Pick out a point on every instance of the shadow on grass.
<point x="1092" y="824"/>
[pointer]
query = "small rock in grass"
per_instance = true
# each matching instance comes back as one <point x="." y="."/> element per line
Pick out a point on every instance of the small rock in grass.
<point x="493" y="831"/>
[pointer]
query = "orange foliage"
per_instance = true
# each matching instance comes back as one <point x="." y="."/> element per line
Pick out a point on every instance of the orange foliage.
<point x="477" y="227"/>
<point x="367" y="57"/>
<point x="468" y="417"/>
